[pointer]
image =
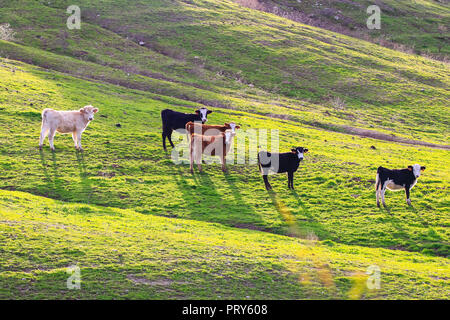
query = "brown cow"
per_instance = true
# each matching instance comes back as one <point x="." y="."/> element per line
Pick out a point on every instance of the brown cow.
<point x="208" y="129"/>
<point x="218" y="145"/>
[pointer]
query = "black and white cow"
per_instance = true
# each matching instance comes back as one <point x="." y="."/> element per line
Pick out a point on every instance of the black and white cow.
<point x="280" y="163"/>
<point x="396" y="180"/>
<point x="173" y="120"/>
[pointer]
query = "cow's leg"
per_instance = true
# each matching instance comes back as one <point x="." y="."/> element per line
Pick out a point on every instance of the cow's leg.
<point x="164" y="140"/>
<point x="382" y="192"/>
<point x="378" y="192"/>
<point x="44" y="131"/>
<point x="290" y="180"/>
<point x="74" y="137"/>
<point x="191" y="156"/>
<point x="198" y="157"/>
<point x="78" y="135"/>
<point x="222" y="159"/>
<point x="266" y="182"/>
<point x="167" y="133"/>
<point x="169" y="136"/>
<point x="408" y="200"/>
<point x="51" y="136"/>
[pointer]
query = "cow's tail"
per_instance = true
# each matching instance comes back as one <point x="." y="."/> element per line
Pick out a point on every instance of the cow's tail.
<point x="187" y="131"/>
<point x="44" y="115"/>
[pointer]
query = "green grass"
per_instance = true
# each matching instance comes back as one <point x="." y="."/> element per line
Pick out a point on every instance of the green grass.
<point x="420" y="25"/>
<point x="126" y="168"/>
<point x="141" y="226"/>
<point x="223" y="55"/>
<point x="126" y="255"/>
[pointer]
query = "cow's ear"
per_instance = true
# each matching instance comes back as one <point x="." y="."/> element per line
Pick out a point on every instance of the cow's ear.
<point x="209" y="111"/>
<point x="82" y="110"/>
<point x="226" y="124"/>
<point x="410" y="168"/>
<point x="305" y="150"/>
<point x="294" y="150"/>
<point x="237" y="127"/>
<point x="95" y="110"/>
<point x="422" y="168"/>
<point x="197" y="111"/>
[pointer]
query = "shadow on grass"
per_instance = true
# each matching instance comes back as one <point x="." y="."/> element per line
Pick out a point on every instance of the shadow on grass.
<point x="296" y="227"/>
<point x="54" y="182"/>
<point x="85" y="183"/>
<point x="204" y="202"/>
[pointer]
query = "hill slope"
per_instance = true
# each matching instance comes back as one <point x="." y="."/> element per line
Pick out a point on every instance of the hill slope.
<point x="127" y="168"/>
<point x="259" y="70"/>
<point x="223" y="55"/>
<point x="419" y="26"/>
<point x="124" y="255"/>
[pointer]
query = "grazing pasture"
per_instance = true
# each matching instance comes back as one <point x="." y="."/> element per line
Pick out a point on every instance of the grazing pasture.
<point x="140" y="226"/>
<point x="123" y="254"/>
<point x="126" y="167"/>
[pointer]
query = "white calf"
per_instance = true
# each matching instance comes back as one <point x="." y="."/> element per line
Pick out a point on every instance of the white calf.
<point x="74" y="122"/>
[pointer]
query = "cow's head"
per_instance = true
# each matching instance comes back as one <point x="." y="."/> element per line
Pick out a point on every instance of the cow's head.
<point x="203" y="113"/>
<point x="416" y="169"/>
<point x="88" y="112"/>
<point x="229" y="136"/>
<point x="232" y="126"/>
<point x="299" y="151"/>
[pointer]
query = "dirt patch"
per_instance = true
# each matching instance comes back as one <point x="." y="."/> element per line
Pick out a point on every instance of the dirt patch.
<point x="249" y="226"/>
<point x="387" y="137"/>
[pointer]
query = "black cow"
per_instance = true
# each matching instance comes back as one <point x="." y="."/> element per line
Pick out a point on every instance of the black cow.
<point x="279" y="163"/>
<point x="396" y="180"/>
<point x="173" y="120"/>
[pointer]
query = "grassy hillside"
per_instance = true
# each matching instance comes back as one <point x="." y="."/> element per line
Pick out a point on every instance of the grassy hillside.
<point x="421" y="26"/>
<point x="126" y="167"/>
<point x="141" y="226"/>
<point x="224" y="55"/>
<point x="125" y="255"/>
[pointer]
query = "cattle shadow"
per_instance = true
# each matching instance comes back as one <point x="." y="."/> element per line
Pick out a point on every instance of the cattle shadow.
<point x="85" y="182"/>
<point x="54" y="182"/>
<point x="238" y="199"/>
<point x="298" y="227"/>
<point x="236" y="213"/>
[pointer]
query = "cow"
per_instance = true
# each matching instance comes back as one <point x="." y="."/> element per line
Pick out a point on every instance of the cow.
<point x="74" y="122"/>
<point x="395" y="180"/>
<point x="173" y="120"/>
<point x="280" y="163"/>
<point x="218" y="145"/>
<point x="209" y="129"/>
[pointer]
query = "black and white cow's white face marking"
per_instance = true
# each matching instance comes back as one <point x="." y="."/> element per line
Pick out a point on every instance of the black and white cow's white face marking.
<point x="203" y="113"/>
<point x="300" y="151"/>
<point x="416" y="170"/>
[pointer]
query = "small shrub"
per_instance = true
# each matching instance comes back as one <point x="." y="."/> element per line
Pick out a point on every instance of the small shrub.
<point x="338" y="103"/>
